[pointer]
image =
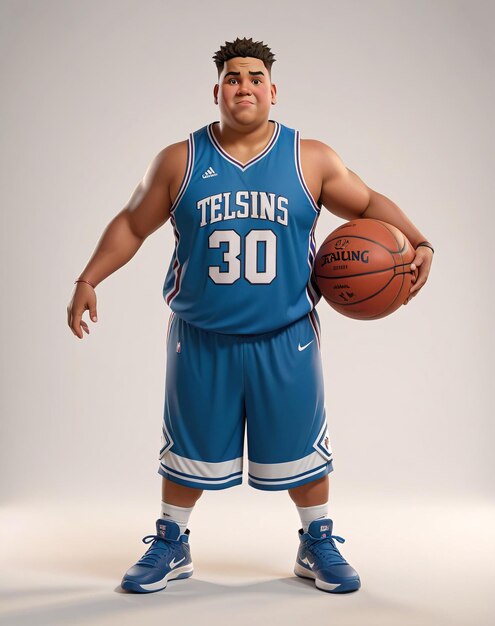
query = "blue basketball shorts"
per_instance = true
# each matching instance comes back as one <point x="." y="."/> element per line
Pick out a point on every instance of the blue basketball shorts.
<point x="218" y="384"/>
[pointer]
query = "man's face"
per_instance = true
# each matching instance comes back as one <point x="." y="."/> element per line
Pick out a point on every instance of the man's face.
<point x="244" y="92"/>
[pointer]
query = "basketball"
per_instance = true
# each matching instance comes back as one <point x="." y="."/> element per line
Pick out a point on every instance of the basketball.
<point x="363" y="269"/>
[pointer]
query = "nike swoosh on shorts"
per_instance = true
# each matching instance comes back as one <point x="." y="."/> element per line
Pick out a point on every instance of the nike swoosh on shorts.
<point x="299" y="347"/>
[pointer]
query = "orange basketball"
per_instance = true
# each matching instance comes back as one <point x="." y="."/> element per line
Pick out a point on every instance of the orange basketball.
<point x="363" y="269"/>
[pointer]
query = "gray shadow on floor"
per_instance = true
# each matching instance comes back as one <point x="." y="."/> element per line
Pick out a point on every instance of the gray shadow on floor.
<point x="291" y="599"/>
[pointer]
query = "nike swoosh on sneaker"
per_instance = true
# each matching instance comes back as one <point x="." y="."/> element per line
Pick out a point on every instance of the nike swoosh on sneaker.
<point x="299" y="347"/>
<point x="173" y="563"/>
<point x="308" y="562"/>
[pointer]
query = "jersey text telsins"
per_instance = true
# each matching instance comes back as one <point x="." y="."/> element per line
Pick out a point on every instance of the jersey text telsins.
<point x="255" y="204"/>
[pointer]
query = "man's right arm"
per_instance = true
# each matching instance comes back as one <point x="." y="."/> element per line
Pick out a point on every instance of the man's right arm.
<point x="147" y="210"/>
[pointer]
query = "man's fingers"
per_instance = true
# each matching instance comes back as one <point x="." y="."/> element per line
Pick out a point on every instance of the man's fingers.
<point x="409" y="298"/>
<point x="70" y="320"/>
<point x="76" y="325"/>
<point x="417" y="286"/>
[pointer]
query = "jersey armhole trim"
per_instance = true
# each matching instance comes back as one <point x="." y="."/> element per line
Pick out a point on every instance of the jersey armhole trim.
<point x="187" y="174"/>
<point x="297" y="158"/>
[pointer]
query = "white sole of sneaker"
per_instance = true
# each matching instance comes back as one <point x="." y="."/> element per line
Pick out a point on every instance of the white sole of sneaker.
<point x="302" y="572"/>
<point x="158" y="585"/>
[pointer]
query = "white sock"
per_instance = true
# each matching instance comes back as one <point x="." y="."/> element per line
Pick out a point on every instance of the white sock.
<point x="309" y="513"/>
<point x="177" y="514"/>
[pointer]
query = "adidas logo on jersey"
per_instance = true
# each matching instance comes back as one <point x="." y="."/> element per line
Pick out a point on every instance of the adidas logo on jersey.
<point x="210" y="172"/>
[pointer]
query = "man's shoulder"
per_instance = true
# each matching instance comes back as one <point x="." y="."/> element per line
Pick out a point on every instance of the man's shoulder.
<point x="315" y="146"/>
<point x="172" y="159"/>
<point x="174" y="150"/>
<point x="319" y="155"/>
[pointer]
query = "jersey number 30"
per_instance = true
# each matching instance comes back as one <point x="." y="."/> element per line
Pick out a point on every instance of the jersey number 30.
<point x="231" y="256"/>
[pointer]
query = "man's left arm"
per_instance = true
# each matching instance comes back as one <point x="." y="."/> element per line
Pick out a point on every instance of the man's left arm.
<point x="346" y="195"/>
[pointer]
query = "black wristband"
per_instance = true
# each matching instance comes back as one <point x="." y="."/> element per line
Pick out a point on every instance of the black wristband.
<point x="427" y="244"/>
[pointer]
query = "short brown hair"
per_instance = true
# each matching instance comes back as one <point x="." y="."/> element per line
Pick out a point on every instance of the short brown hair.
<point x="244" y="48"/>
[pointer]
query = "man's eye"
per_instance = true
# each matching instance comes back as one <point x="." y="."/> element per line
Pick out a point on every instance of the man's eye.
<point x="255" y="80"/>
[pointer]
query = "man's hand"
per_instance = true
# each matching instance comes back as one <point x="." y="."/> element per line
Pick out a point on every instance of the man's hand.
<point x="83" y="299"/>
<point x="421" y="262"/>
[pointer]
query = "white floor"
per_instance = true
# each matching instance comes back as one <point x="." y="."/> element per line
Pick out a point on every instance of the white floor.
<point x="422" y="562"/>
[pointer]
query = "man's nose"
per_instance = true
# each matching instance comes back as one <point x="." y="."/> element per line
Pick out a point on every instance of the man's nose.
<point x="244" y="86"/>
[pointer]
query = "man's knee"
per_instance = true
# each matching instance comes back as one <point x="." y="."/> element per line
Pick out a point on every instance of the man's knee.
<point x="180" y="495"/>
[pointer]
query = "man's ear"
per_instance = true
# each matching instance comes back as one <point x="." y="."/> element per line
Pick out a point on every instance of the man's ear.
<point x="274" y="93"/>
<point x="215" y="93"/>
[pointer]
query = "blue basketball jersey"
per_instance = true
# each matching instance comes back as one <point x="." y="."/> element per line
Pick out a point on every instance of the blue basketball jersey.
<point x="244" y="237"/>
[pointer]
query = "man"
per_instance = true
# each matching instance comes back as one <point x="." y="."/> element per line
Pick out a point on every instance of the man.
<point x="243" y="344"/>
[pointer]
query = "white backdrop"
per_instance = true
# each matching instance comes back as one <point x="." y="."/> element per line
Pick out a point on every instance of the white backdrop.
<point x="91" y="91"/>
<point x="402" y="93"/>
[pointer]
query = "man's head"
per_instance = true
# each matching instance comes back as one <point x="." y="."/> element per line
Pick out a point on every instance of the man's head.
<point x="244" y="91"/>
<point x="244" y="48"/>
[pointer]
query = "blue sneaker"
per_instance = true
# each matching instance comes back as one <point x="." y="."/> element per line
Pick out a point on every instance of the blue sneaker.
<point x="319" y="558"/>
<point x="168" y="558"/>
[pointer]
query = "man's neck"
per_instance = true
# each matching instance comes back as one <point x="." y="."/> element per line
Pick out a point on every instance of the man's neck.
<point x="244" y="138"/>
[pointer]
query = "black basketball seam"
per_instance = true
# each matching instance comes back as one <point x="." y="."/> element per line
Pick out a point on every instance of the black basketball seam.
<point x="403" y="274"/>
<point x="393" y="301"/>
<point x="393" y="235"/>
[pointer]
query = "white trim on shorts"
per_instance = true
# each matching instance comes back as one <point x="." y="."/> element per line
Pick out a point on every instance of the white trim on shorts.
<point x="200" y="471"/>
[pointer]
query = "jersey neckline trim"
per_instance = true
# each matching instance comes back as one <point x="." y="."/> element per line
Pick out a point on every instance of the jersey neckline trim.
<point x="255" y="159"/>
